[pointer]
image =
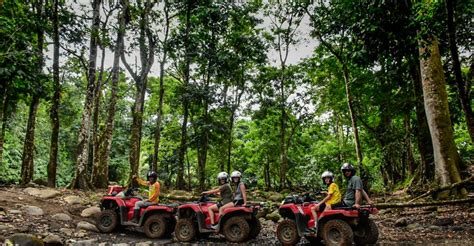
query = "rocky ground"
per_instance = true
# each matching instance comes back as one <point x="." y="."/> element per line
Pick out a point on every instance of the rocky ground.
<point x="59" y="217"/>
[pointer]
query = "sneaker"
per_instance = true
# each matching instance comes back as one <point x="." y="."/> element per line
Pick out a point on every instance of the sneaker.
<point x="215" y="226"/>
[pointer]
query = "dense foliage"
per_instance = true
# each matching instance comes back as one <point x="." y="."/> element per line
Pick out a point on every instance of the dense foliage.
<point x="226" y="74"/>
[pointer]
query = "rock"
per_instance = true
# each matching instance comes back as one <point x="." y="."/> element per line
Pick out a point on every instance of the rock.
<point x="24" y="239"/>
<point x="435" y="228"/>
<point x="88" y="212"/>
<point x="274" y="216"/>
<point x="62" y="217"/>
<point x="444" y="221"/>
<point x="66" y="231"/>
<point x="413" y="226"/>
<point x="49" y="193"/>
<point x="41" y="182"/>
<point x="86" y="226"/>
<point x="147" y="243"/>
<point x="4" y="227"/>
<point x="53" y="239"/>
<point x="120" y="244"/>
<point x="14" y="211"/>
<point x="402" y="222"/>
<point x="32" y="210"/>
<point x="89" y="242"/>
<point x="457" y="228"/>
<point x="73" y="200"/>
<point x="32" y="191"/>
<point x="275" y="197"/>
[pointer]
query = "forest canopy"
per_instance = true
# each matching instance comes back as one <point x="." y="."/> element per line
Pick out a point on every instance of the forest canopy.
<point x="93" y="92"/>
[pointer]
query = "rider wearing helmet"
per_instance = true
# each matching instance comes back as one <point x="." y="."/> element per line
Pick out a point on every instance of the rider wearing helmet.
<point x="240" y="194"/>
<point x="333" y="196"/>
<point x="355" y="190"/>
<point x="225" y="192"/>
<point x="153" y="193"/>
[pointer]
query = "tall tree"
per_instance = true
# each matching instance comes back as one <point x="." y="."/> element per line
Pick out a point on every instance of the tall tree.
<point x="146" y="45"/>
<point x="462" y="86"/>
<point x="102" y="173"/>
<point x="81" y="179"/>
<point x="27" y="163"/>
<point x="164" y="58"/>
<point x="285" y="18"/>
<point x="54" y="114"/>
<point x="437" y="112"/>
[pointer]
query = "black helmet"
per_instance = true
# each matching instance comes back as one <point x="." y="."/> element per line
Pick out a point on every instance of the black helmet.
<point x="347" y="166"/>
<point x="152" y="174"/>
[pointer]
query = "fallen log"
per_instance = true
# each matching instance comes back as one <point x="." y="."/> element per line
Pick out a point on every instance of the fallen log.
<point x="447" y="187"/>
<point x="422" y="204"/>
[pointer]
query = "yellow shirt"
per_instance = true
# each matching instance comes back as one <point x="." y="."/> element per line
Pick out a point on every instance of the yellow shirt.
<point x="153" y="190"/>
<point x="336" y="194"/>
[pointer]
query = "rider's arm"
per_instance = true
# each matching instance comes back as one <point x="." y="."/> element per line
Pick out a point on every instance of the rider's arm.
<point x="327" y="198"/>
<point x="140" y="181"/>
<point x="211" y="191"/>
<point x="358" y="197"/>
<point x="366" y="197"/>
<point x="244" y="193"/>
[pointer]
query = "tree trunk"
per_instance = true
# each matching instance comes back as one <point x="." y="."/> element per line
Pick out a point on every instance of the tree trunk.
<point x="159" y="117"/>
<point x="461" y="85"/>
<point x="27" y="167"/>
<point x="283" y="154"/>
<point x="103" y="167"/>
<point x="353" y="115"/>
<point x="147" y="56"/>
<point x="81" y="178"/>
<point x="408" y="145"/>
<point x="96" y="140"/>
<point x="424" y="143"/>
<point x="183" y="145"/>
<point x="3" y="116"/>
<point x="54" y="114"/>
<point x="437" y="112"/>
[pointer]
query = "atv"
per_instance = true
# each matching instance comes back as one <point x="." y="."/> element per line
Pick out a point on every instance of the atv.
<point x="339" y="226"/>
<point x="238" y="224"/>
<point x="157" y="221"/>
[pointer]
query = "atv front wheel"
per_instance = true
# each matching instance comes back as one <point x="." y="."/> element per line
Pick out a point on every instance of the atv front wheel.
<point x="236" y="229"/>
<point x="107" y="221"/>
<point x="366" y="233"/>
<point x="337" y="232"/>
<point x="185" y="230"/>
<point x="155" y="226"/>
<point x="287" y="232"/>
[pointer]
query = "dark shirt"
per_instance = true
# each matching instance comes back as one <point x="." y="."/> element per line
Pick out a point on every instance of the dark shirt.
<point x="353" y="184"/>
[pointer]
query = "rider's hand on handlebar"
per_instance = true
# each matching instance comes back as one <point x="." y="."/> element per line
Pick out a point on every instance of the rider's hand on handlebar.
<point x="356" y="205"/>
<point x="134" y="176"/>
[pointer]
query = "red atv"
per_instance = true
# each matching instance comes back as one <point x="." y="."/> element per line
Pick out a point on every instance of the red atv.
<point x="158" y="220"/>
<point x="238" y="224"/>
<point x="340" y="226"/>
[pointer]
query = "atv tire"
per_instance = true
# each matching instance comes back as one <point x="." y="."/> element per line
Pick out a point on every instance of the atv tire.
<point x="236" y="229"/>
<point x="287" y="232"/>
<point x="337" y="232"/>
<point x="314" y="240"/>
<point x="185" y="230"/>
<point x="366" y="233"/>
<point x="155" y="226"/>
<point x="255" y="228"/>
<point x="107" y="221"/>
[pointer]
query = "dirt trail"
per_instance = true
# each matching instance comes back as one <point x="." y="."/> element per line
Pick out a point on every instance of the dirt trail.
<point x="447" y="225"/>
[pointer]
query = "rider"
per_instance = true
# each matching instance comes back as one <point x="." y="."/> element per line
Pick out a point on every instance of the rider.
<point x="355" y="190"/>
<point x="240" y="194"/>
<point x="225" y="191"/>
<point x="153" y="193"/>
<point x="333" y="197"/>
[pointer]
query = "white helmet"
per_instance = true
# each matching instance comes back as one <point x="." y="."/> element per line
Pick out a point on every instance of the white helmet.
<point x="327" y="174"/>
<point x="222" y="175"/>
<point x="236" y="174"/>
